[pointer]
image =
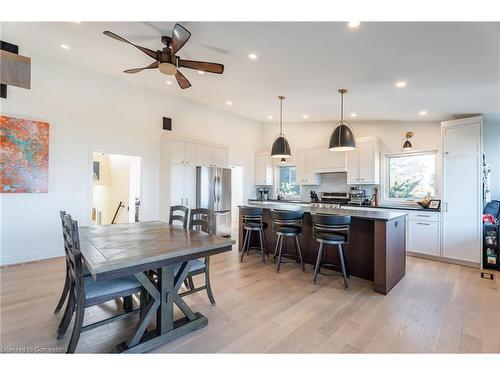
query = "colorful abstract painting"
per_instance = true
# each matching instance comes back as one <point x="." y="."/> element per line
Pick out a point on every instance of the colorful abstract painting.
<point x="24" y="156"/>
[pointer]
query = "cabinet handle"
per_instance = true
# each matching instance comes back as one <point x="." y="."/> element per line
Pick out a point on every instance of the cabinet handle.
<point x="182" y="201"/>
<point x="423" y="223"/>
<point x="424" y="215"/>
<point x="187" y="202"/>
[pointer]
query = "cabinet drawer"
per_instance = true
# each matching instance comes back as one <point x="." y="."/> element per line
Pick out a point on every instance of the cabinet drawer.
<point x="424" y="237"/>
<point x="424" y="216"/>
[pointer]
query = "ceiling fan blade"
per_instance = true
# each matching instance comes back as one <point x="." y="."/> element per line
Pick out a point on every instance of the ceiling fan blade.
<point x="182" y="81"/>
<point x="208" y="67"/>
<point x="137" y="70"/>
<point x="179" y="37"/>
<point x="147" y="51"/>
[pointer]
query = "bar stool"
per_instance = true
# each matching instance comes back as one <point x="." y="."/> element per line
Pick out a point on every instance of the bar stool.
<point x="331" y="230"/>
<point x="287" y="223"/>
<point x="252" y="222"/>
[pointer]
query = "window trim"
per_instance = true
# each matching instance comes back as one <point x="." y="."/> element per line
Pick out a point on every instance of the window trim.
<point x="385" y="199"/>
<point x="277" y="180"/>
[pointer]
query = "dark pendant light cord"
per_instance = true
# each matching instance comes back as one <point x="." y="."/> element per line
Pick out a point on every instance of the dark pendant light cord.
<point x="281" y="113"/>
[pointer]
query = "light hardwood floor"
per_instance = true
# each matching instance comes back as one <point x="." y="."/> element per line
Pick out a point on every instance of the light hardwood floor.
<point x="436" y="308"/>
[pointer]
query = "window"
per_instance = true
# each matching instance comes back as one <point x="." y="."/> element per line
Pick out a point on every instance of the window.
<point x="410" y="176"/>
<point x="287" y="181"/>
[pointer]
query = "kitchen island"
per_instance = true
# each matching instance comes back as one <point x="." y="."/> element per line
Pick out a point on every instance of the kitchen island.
<point x="376" y="250"/>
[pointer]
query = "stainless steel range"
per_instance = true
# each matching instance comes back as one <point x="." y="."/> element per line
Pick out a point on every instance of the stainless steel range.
<point x="331" y="200"/>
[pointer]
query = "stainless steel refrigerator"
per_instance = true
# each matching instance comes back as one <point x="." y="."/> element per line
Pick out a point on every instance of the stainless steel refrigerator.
<point x="213" y="191"/>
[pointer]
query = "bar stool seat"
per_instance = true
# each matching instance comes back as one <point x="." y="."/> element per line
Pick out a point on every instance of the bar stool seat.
<point x="287" y="229"/>
<point x="250" y="225"/>
<point x="329" y="236"/>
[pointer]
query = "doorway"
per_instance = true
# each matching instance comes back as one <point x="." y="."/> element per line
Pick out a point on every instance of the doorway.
<point x="116" y="188"/>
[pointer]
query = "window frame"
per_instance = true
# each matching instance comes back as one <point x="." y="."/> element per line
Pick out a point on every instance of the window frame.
<point x="385" y="199"/>
<point x="277" y="180"/>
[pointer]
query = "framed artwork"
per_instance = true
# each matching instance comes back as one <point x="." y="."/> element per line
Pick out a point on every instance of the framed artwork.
<point x="96" y="170"/>
<point x="24" y="156"/>
<point x="435" y="203"/>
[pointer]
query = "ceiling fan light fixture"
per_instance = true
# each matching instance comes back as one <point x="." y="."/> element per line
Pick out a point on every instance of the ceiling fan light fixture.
<point x="281" y="148"/>
<point x="342" y="137"/>
<point x="167" y="68"/>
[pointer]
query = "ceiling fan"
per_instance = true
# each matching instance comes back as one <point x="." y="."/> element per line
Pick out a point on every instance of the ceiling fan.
<point x="167" y="61"/>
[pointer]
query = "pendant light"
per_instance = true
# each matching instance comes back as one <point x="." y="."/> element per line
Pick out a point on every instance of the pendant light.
<point x="342" y="138"/>
<point x="407" y="145"/>
<point x="281" y="148"/>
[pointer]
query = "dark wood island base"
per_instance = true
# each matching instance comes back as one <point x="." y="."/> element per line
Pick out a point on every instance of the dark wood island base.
<point x="376" y="250"/>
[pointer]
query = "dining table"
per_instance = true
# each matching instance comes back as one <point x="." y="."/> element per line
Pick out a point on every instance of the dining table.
<point x="159" y="255"/>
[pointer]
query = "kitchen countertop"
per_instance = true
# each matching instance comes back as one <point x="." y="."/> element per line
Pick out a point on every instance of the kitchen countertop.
<point x="284" y="201"/>
<point x="358" y="214"/>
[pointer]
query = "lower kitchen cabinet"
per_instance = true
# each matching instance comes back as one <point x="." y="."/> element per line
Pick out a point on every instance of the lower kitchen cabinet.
<point x="423" y="237"/>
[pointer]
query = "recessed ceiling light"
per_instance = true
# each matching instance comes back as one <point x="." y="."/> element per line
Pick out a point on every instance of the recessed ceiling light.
<point x="353" y="24"/>
<point x="64" y="46"/>
<point x="252" y="56"/>
<point x="305" y="116"/>
<point x="401" y="84"/>
<point x="422" y="113"/>
<point x="168" y="82"/>
<point x="354" y="114"/>
<point x="229" y="103"/>
<point x="201" y="72"/>
<point x="269" y="117"/>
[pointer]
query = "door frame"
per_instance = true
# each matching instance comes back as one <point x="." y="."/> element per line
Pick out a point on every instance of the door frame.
<point x="90" y="173"/>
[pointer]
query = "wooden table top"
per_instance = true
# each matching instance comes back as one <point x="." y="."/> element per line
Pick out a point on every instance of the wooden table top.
<point x="119" y="249"/>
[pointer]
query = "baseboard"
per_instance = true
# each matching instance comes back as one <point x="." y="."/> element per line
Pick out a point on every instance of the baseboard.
<point x="444" y="259"/>
<point x="29" y="257"/>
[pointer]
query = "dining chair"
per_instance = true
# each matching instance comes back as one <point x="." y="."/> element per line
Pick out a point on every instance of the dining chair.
<point x="201" y="219"/>
<point x="179" y="213"/>
<point x="85" y="292"/>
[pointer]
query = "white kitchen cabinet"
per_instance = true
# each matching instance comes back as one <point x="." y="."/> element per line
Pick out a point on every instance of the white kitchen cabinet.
<point x="461" y="189"/>
<point x="183" y="185"/>
<point x="176" y="151"/>
<point x="423" y="236"/>
<point x="305" y="174"/>
<point x="363" y="163"/>
<point x="263" y="169"/>
<point x="204" y="155"/>
<point x="219" y="157"/>
<point x="325" y="160"/>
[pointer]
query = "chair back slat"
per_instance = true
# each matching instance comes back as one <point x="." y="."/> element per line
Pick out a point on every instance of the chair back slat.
<point x="179" y="213"/>
<point x="338" y="224"/>
<point x="251" y="214"/>
<point x="72" y="248"/>
<point x="201" y="219"/>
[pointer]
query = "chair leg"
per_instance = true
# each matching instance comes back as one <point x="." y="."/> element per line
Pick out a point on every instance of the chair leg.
<point x="77" y="329"/>
<point x="299" y="251"/>
<point x="190" y="282"/>
<point x="68" y="314"/>
<point x="128" y="304"/>
<point x="261" y="241"/>
<point x="280" y="240"/>
<point x="265" y="242"/>
<point x="245" y="240"/>
<point x="342" y="263"/>
<point x="65" y="291"/>
<point x="318" y="262"/>
<point x="207" y="281"/>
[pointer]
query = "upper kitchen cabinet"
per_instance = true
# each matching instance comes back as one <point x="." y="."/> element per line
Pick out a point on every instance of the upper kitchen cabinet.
<point x="363" y="163"/>
<point x="328" y="161"/>
<point x="219" y="157"/>
<point x="305" y="173"/>
<point x="462" y="139"/>
<point x="197" y="154"/>
<point x="263" y="169"/>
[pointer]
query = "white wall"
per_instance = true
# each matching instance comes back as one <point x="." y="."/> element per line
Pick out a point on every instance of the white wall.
<point x="93" y="112"/>
<point x="491" y="148"/>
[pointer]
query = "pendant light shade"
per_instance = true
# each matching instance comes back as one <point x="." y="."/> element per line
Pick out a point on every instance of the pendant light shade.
<point x="342" y="138"/>
<point x="281" y="148"/>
